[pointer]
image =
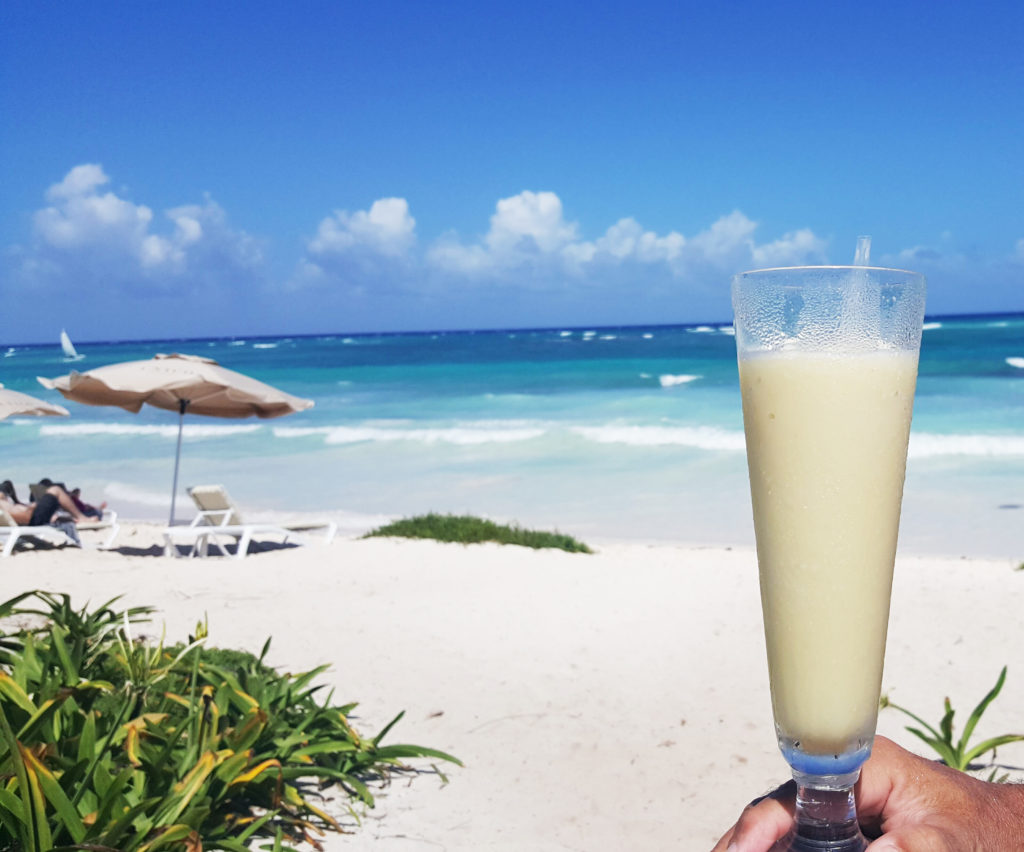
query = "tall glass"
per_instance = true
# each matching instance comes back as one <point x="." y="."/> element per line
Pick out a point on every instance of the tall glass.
<point x="828" y="364"/>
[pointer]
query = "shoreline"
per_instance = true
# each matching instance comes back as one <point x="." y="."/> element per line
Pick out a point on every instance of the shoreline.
<point x="932" y="526"/>
<point x="599" y="702"/>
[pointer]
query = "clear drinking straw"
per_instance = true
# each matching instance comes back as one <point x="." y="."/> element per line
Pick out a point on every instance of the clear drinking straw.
<point x="862" y="257"/>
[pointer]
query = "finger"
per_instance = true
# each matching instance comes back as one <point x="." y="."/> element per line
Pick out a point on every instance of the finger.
<point x="921" y="838"/>
<point x="763" y="821"/>
<point x="723" y="842"/>
<point x="879" y="776"/>
<point x="891" y="781"/>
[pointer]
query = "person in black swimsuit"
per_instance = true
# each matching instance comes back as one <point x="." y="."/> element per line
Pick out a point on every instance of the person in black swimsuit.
<point x="42" y="511"/>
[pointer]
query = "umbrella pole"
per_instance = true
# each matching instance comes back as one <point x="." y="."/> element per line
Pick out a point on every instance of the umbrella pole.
<point x="182" y="405"/>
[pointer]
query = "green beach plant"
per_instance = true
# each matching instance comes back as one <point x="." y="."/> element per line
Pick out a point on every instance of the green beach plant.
<point x="109" y="741"/>
<point x="958" y="753"/>
<point x="467" y="529"/>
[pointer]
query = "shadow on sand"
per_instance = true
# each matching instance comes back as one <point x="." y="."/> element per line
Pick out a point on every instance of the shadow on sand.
<point x="186" y="551"/>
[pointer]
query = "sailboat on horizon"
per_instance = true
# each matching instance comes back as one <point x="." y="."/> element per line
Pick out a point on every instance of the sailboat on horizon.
<point x="70" y="354"/>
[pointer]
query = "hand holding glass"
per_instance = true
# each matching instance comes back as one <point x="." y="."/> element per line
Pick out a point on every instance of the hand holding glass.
<point x="828" y="364"/>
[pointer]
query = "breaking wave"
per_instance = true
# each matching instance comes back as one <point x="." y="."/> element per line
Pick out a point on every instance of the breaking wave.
<point x="927" y="445"/>
<point x="170" y="430"/>
<point x="476" y="434"/>
<point x="669" y="381"/>
<point x="699" y="437"/>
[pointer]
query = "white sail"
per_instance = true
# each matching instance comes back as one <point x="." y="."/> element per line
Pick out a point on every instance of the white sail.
<point x="68" y="347"/>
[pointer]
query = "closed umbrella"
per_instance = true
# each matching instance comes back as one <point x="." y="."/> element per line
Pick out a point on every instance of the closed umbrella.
<point x="14" y="403"/>
<point x="177" y="383"/>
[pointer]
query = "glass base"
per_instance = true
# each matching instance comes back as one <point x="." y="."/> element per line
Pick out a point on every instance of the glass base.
<point x="825" y="818"/>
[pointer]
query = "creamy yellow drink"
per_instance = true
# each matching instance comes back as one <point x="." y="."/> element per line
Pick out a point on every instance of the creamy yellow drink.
<point x="826" y="445"/>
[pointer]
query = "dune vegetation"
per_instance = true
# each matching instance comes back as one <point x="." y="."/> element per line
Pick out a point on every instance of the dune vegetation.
<point x="467" y="529"/>
<point x="110" y="741"/>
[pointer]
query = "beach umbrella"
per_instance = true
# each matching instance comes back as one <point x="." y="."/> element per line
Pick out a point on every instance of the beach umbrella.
<point x="13" y="403"/>
<point x="177" y="383"/>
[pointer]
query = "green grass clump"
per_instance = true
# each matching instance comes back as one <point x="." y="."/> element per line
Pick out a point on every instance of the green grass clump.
<point x="114" y="742"/>
<point x="960" y="754"/>
<point x="466" y="529"/>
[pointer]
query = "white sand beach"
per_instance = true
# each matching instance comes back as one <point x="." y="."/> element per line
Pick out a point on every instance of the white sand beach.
<point x="615" y="701"/>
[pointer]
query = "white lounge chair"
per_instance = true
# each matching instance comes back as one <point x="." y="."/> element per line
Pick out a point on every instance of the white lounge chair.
<point x="11" y="533"/>
<point x="106" y="522"/>
<point x="218" y="517"/>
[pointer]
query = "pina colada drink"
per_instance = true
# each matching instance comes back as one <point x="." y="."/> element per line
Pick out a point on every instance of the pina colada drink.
<point x="828" y="363"/>
<point x="827" y="444"/>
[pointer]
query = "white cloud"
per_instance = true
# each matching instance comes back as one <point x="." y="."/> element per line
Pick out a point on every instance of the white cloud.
<point x="530" y="228"/>
<point x="189" y="228"/>
<point x="450" y="255"/>
<point x="386" y="228"/>
<point x="793" y="248"/>
<point x="81" y="216"/>
<point x="727" y="237"/>
<point x="530" y="219"/>
<point x="527" y="228"/>
<point x="87" y="231"/>
<point x="625" y="240"/>
<point x="155" y="252"/>
<point x="81" y="180"/>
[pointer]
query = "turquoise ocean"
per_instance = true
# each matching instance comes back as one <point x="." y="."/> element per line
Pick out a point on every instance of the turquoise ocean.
<point x="606" y="433"/>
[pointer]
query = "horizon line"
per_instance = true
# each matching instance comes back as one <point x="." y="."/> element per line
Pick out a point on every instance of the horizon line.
<point x="453" y="331"/>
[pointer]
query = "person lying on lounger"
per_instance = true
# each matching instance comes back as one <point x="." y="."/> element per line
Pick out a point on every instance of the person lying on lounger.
<point x="76" y="496"/>
<point x="41" y="512"/>
<point x="85" y="508"/>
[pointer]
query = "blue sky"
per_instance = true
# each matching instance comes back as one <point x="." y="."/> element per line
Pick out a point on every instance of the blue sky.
<point x="190" y="169"/>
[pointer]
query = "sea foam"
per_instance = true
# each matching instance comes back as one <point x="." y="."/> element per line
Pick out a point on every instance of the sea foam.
<point x="191" y="431"/>
<point x="669" y="381"/>
<point x="699" y="437"/>
<point x="928" y="445"/>
<point x="475" y="434"/>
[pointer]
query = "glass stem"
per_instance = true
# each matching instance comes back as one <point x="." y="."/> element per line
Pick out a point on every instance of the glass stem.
<point x="826" y="816"/>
